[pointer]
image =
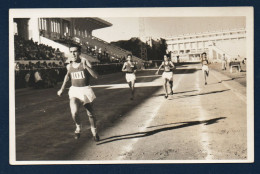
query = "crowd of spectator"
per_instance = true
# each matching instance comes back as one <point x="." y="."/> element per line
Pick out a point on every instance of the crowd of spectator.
<point x="41" y="66"/>
<point x="30" y="50"/>
<point x="102" y="54"/>
<point x="39" y="78"/>
<point x="38" y="65"/>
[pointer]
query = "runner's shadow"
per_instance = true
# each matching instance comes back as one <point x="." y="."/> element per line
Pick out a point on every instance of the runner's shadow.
<point x="175" y="93"/>
<point x="149" y="133"/>
<point x="185" y="71"/>
<point x="206" y="93"/>
<point x="226" y="80"/>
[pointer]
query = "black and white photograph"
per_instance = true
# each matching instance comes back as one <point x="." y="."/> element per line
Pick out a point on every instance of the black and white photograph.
<point x="131" y="85"/>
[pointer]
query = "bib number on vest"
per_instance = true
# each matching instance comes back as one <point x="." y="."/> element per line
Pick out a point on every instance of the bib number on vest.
<point x="77" y="75"/>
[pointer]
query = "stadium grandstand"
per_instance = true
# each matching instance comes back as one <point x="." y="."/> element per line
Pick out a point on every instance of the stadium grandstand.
<point x="60" y="33"/>
<point x="42" y="44"/>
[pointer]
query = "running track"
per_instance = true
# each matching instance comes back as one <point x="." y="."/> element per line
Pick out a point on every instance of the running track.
<point x="197" y="123"/>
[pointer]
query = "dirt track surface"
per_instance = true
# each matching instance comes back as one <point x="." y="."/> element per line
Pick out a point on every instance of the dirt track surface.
<point x="198" y="122"/>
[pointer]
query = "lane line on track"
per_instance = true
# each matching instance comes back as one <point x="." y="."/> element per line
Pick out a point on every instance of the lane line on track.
<point x="127" y="149"/>
<point x="239" y="95"/>
<point x="203" y="116"/>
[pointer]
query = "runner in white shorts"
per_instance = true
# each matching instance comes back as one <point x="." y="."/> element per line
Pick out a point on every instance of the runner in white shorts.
<point x="205" y="68"/>
<point x="171" y="80"/>
<point x="80" y="91"/>
<point x="167" y="74"/>
<point x="130" y="69"/>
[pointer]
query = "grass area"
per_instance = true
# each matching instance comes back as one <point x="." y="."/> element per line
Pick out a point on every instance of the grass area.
<point x="238" y="77"/>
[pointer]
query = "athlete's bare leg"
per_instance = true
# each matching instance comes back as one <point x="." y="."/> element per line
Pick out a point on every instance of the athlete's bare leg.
<point x="171" y="86"/>
<point x="92" y="120"/>
<point x="133" y="88"/>
<point x="165" y="88"/>
<point x="129" y="84"/>
<point x="205" y="77"/>
<point x="74" y="108"/>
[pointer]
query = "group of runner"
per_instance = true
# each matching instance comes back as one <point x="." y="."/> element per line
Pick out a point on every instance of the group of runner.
<point x="79" y="71"/>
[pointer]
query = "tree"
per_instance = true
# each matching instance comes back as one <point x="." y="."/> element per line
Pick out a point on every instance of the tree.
<point x="156" y="52"/>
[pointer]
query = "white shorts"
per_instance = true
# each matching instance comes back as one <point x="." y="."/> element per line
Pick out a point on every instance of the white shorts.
<point x="205" y="68"/>
<point x="130" y="77"/>
<point x="85" y="94"/>
<point x="168" y="75"/>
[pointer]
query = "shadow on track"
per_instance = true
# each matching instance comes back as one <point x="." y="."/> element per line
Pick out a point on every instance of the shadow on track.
<point x="149" y="133"/>
<point x="206" y="93"/>
<point x="226" y="80"/>
<point x="185" y="71"/>
<point x="155" y="95"/>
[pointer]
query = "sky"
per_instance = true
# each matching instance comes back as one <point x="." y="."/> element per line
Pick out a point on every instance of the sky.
<point x="156" y="27"/>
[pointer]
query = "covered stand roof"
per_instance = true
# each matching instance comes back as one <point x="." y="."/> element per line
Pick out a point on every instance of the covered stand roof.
<point x="89" y="23"/>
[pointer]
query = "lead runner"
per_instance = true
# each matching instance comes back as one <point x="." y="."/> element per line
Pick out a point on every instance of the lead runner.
<point x="130" y="69"/>
<point x="80" y="92"/>
<point x="167" y="74"/>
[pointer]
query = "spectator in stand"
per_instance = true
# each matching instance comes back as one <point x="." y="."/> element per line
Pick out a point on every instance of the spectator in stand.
<point x="50" y="65"/>
<point x="38" y="79"/>
<point x="25" y="67"/>
<point x="17" y="66"/>
<point x="92" y="51"/>
<point x="27" y="78"/>
<point x="58" y="50"/>
<point x="87" y="47"/>
<point x="105" y="53"/>
<point x="99" y="54"/>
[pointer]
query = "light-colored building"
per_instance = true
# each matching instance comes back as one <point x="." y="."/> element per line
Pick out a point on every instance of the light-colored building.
<point x="189" y="47"/>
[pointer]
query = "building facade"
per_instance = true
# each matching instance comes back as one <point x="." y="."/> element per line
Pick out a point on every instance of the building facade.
<point x="189" y="47"/>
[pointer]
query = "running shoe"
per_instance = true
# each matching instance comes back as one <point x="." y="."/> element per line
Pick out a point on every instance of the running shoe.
<point x="96" y="138"/>
<point x="76" y="135"/>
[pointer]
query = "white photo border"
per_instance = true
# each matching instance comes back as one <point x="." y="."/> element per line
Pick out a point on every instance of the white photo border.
<point x="247" y="12"/>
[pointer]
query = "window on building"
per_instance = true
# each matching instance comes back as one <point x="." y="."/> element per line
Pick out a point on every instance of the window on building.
<point x="55" y="26"/>
<point x="40" y="23"/>
<point x="59" y="30"/>
<point x="45" y="24"/>
<point x="52" y="30"/>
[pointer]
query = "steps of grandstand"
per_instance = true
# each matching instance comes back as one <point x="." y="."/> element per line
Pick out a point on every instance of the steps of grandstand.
<point x="62" y="47"/>
<point x="231" y="48"/>
<point x="91" y="43"/>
